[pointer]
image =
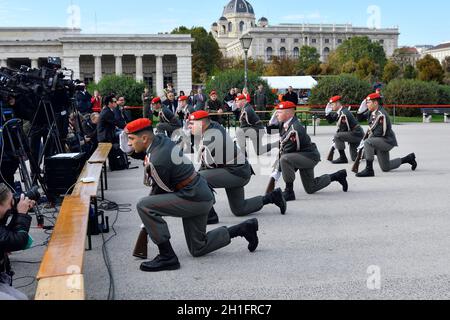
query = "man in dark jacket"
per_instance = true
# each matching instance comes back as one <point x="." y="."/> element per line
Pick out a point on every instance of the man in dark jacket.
<point x="84" y="101"/>
<point x="260" y="100"/>
<point x="171" y="103"/>
<point x="13" y="237"/>
<point x="106" y="128"/>
<point x="291" y="96"/>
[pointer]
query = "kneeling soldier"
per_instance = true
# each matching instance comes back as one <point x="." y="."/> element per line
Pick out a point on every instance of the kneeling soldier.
<point x="251" y="127"/>
<point x="381" y="140"/>
<point x="168" y="121"/>
<point x="225" y="166"/>
<point x="349" y="130"/>
<point x="177" y="191"/>
<point x="297" y="152"/>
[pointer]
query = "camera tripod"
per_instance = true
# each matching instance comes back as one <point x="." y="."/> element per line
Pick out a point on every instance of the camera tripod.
<point x="20" y="148"/>
<point x="53" y="131"/>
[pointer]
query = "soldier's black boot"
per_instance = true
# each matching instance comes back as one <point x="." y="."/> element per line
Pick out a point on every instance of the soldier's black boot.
<point x="342" y="159"/>
<point x="276" y="198"/>
<point x="411" y="159"/>
<point x="212" y="217"/>
<point x="289" y="194"/>
<point x="341" y="177"/>
<point x="166" y="260"/>
<point x="248" y="230"/>
<point x="368" y="172"/>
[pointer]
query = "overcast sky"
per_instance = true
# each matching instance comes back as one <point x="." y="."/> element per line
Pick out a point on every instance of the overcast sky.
<point x="419" y="22"/>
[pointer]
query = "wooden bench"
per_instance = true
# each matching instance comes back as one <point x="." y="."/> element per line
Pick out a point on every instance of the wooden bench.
<point x="99" y="157"/>
<point x="65" y="252"/>
<point x="429" y="112"/>
<point x="66" y="288"/>
<point x="60" y="275"/>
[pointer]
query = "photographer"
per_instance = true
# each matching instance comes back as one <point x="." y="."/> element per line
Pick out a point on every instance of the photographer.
<point x="13" y="237"/>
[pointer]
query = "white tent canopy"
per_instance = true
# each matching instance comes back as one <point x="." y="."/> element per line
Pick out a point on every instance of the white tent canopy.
<point x="298" y="83"/>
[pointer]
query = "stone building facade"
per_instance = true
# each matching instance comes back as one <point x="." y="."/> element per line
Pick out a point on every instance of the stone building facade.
<point x="154" y="59"/>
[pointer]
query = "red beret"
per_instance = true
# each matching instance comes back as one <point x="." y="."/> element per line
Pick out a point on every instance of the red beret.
<point x="373" y="96"/>
<point x="183" y="98"/>
<point x="213" y="93"/>
<point x="241" y="97"/>
<point x="156" y="100"/>
<point x="286" y="105"/>
<point x="199" y="115"/>
<point x="138" y="125"/>
<point x="335" y="99"/>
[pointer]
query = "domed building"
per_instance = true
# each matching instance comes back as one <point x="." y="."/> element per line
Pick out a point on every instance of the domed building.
<point x="285" y="40"/>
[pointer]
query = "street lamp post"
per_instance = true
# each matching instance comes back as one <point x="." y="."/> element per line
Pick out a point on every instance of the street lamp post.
<point x="246" y="42"/>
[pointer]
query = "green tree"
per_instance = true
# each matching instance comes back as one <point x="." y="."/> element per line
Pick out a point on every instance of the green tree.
<point x="391" y="71"/>
<point x="409" y="72"/>
<point x="281" y="67"/>
<point x="121" y="86"/>
<point x="352" y="89"/>
<point x="256" y="65"/>
<point x="359" y="50"/>
<point x="309" y="60"/>
<point x="430" y="69"/>
<point x="206" y="55"/>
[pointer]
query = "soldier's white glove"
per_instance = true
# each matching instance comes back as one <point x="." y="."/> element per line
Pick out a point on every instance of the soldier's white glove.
<point x="276" y="175"/>
<point x="363" y="108"/>
<point x="274" y="120"/>
<point x="124" y="143"/>
<point x="328" y="109"/>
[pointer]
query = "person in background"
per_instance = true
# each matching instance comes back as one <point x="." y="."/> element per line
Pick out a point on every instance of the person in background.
<point x="260" y="100"/>
<point x="96" y="102"/>
<point x="247" y="95"/>
<point x="291" y="96"/>
<point x="146" y="104"/>
<point x="83" y="99"/>
<point x="200" y="100"/>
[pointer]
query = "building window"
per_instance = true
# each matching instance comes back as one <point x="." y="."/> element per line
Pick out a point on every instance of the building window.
<point x="230" y="27"/>
<point x="269" y="40"/>
<point x="326" y="53"/>
<point x="296" y="40"/>
<point x="241" y="26"/>
<point x="296" y="52"/>
<point x="283" y="40"/>
<point x="88" y="80"/>
<point x="339" y="41"/>
<point x="269" y="53"/>
<point x="327" y="40"/>
<point x="381" y="41"/>
<point x="314" y="41"/>
<point x="283" y="52"/>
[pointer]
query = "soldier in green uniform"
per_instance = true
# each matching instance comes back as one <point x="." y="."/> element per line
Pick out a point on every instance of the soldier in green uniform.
<point x="381" y="139"/>
<point x="297" y="152"/>
<point x="349" y="130"/>
<point x="177" y="191"/>
<point x="225" y="166"/>
<point x="251" y="127"/>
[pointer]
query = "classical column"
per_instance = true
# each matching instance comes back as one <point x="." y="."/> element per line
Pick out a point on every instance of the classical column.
<point x="139" y="69"/>
<point x="159" y="76"/>
<point x="34" y="63"/>
<point x="184" y="73"/>
<point x="98" y="68"/>
<point x="72" y="63"/>
<point x="119" y="65"/>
